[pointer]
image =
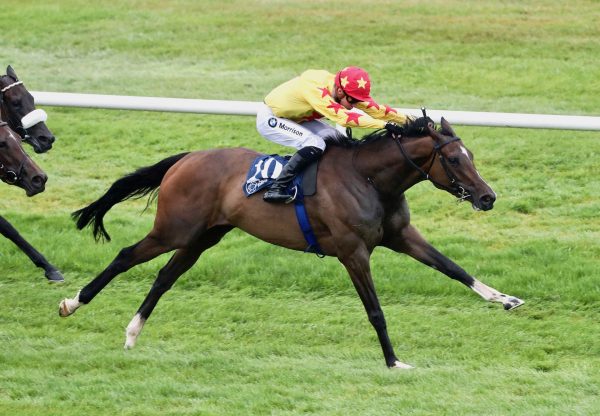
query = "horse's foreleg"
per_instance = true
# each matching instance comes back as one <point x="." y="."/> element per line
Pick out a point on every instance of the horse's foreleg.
<point x="410" y="241"/>
<point x="181" y="262"/>
<point x="145" y="250"/>
<point x="357" y="264"/>
<point x="8" y="231"/>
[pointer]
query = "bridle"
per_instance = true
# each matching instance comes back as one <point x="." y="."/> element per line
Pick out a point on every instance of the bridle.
<point x="8" y="175"/>
<point x="455" y="189"/>
<point x="31" y="119"/>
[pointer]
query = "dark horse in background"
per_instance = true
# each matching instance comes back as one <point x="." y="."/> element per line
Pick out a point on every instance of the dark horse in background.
<point x="360" y="204"/>
<point x="17" y="108"/>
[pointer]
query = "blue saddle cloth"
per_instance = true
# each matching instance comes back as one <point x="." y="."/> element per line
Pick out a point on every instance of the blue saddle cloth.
<point x="263" y="172"/>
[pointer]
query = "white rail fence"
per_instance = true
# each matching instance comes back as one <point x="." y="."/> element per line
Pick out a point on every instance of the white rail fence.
<point x="249" y="108"/>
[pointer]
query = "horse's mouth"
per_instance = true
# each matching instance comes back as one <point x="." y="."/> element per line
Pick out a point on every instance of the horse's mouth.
<point x="462" y="194"/>
<point x="31" y="193"/>
<point x="38" y="146"/>
<point x="32" y="190"/>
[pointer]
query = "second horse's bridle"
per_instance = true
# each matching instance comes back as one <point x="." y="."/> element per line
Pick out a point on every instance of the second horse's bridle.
<point x="8" y="175"/>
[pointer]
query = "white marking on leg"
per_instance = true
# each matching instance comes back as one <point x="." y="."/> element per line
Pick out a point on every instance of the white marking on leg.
<point x="68" y="306"/>
<point x="402" y="366"/>
<point x="133" y="331"/>
<point x="486" y="292"/>
<point x="492" y="295"/>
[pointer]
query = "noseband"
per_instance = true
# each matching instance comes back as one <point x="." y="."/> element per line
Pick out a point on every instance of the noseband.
<point x="8" y="175"/>
<point x="455" y="188"/>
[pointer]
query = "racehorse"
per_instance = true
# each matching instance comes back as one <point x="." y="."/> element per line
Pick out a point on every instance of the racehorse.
<point x="18" y="109"/>
<point x="360" y="204"/>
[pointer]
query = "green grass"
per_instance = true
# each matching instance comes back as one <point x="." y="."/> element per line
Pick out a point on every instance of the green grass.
<point x="254" y="328"/>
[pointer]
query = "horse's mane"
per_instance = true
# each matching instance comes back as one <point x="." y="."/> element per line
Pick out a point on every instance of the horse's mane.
<point x="412" y="128"/>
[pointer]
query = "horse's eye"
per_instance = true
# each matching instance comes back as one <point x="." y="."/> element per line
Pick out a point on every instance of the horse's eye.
<point x="3" y="144"/>
<point x="453" y="161"/>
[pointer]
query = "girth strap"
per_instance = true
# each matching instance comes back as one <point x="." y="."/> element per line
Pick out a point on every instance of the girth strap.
<point x="302" y="216"/>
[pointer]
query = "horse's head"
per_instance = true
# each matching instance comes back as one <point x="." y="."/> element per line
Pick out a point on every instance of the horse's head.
<point x="18" y="109"/>
<point x="454" y="171"/>
<point x="16" y="167"/>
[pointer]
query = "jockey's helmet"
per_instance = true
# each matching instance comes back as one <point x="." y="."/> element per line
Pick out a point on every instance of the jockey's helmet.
<point x="355" y="82"/>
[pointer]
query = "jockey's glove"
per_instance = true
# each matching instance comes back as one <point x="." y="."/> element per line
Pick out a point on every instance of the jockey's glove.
<point x="393" y="128"/>
<point x="421" y="124"/>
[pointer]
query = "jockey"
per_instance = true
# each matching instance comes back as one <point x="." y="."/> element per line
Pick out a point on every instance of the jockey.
<point x="292" y="113"/>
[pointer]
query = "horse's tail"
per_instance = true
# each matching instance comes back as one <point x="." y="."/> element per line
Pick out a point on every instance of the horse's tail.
<point x="133" y="185"/>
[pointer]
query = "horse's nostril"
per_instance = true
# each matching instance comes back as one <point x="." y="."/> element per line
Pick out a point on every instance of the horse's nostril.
<point x="47" y="140"/>
<point x="38" y="181"/>
<point x="487" y="200"/>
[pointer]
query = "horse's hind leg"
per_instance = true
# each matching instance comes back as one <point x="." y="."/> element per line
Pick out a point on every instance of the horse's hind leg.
<point x="51" y="272"/>
<point x="409" y="241"/>
<point x="145" y="250"/>
<point x="181" y="262"/>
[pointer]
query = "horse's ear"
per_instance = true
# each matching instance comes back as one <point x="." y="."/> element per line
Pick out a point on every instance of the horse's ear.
<point x="447" y="128"/>
<point x="431" y="128"/>
<point x="11" y="73"/>
<point x="435" y="135"/>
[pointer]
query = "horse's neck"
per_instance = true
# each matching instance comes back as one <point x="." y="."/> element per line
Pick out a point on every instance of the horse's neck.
<point x="383" y="163"/>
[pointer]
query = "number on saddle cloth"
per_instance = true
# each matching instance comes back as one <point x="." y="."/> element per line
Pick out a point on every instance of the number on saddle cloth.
<point x="263" y="171"/>
<point x="266" y="168"/>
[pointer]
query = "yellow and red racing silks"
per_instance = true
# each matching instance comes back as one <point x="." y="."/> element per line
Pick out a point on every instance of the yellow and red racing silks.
<point x="309" y="97"/>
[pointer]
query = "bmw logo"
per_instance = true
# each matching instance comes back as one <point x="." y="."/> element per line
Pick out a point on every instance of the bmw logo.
<point x="272" y="122"/>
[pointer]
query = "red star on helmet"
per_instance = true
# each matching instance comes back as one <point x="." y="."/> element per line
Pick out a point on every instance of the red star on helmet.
<point x="355" y="82"/>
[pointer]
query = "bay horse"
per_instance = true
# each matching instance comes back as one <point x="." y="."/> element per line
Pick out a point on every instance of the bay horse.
<point x="17" y="107"/>
<point x="360" y="204"/>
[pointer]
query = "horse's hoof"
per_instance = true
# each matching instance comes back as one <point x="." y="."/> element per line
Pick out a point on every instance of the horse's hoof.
<point x="54" y="276"/>
<point x="63" y="309"/>
<point x="68" y="307"/>
<point x="512" y="303"/>
<point x="401" y="366"/>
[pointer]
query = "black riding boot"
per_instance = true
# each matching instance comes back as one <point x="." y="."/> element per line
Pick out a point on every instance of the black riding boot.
<point x="301" y="159"/>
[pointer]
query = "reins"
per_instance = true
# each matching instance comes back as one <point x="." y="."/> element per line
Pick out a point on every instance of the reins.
<point x="456" y="189"/>
<point x="425" y="174"/>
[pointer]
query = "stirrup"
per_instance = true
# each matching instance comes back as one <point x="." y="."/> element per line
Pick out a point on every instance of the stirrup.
<point x="274" y="198"/>
<point x="292" y="198"/>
